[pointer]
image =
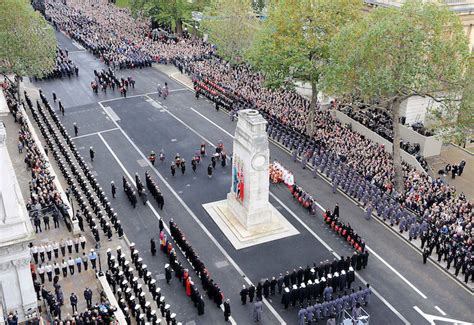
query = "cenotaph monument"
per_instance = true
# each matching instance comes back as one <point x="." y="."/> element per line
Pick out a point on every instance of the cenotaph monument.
<point x="246" y="217"/>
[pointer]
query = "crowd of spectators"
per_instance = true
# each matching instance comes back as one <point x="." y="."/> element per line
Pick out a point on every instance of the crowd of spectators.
<point x="380" y="121"/>
<point x="109" y="34"/>
<point x="44" y="195"/>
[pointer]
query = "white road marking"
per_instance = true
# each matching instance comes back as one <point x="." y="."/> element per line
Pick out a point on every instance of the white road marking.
<point x="186" y="207"/>
<point x="178" y="89"/>
<point x="440" y="311"/>
<point x="432" y="318"/>
<point x="77" y="45"/>
<point x="77" y="51"/>
<point x="110" y="112"/>
<point x="94" y="133"/>
<point x="207" y="119"/>
<point x="182" y="122"/>
<point x="128" y="96"/>
<point x="396" y="272"/>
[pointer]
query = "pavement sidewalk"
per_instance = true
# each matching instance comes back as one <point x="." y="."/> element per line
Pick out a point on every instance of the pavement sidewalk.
<point x="453" y="155"/>
<point x="172" y="72"/>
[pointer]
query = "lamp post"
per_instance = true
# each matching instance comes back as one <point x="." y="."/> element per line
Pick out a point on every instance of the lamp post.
<point x="69" y="190"/>
<point x="97" y="247"/>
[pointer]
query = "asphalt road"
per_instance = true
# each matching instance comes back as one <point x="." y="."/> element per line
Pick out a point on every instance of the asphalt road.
<point x="123" y="131"/>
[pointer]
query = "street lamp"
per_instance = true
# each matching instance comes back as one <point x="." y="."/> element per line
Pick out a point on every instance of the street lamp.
<point x="69" y="190"/>
<point x="97" y="247"/>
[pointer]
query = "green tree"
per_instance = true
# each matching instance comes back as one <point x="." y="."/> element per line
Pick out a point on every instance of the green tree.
<point x="169" y="12"/>
<point x="393" y="54"/>
<point x="454" y="121"/>
<point x="231" y="25"/>
<point x="27" y="41"/>
<point x="293" y="43"/>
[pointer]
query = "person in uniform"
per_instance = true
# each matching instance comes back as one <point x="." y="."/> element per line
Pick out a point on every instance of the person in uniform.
<point x="173" y="168"/>
<point x="227" y="310"/>
<point x="200" y="306"/>
<point x="257" y="311"/>
<point x="91" y="153"/>
<point x="153" y="246"/>
<point x="243" y="295"/>
<point x="209" y="170"/>
<point x="167" y="273"/>
<point x="251" y="292"/>
<point x="113" y="188"/>
<point x="286" y="298"/>
<point x="183" y="166"/>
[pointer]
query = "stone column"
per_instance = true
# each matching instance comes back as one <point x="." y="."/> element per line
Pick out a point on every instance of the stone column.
<point x="248" y="197"/>
<point x="246" y="217"/>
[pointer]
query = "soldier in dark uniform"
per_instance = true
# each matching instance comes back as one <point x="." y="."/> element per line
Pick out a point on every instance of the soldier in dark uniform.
<point x="113" y="189"/>
<point x="167" y="273"/>
<point x="336" y="211"/>
<point x="426" y="253"/>
<point x="227" y="310"/>
<point x="266" y="288"/>
<point x="144" y="196"/>
<point x="273" y="284"/>
<point x="91" y="153"/>
<point x="243" y="295"/>
<point x="173" y="169"/>
<point x="133" y="199"/>
<point x="209" y="170"/>
<point x="285" y="298"/>
<point x="200" y="305"/>
<point x="160" y="200"/>
<point x="251" y="292"/>
<point x="153" y="246"/>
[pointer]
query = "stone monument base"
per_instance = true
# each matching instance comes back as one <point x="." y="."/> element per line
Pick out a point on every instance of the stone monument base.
<point x="239" y="236"/>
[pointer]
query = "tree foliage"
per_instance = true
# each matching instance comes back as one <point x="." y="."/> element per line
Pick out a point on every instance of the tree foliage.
<point x="27" y="41"/>
<point x="231" y="26"/>
<point x="294" y="40"/>
<point x="293" y="43"/>
<point x="168" y="12"/>
<point x="454" y="121"/>
<point x="396" y="53"/>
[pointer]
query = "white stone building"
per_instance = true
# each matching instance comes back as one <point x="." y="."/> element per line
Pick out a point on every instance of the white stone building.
<point x="17" y="293"/>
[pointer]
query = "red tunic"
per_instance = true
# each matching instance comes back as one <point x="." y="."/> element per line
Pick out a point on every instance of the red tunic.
<point x="188" y="287"/>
